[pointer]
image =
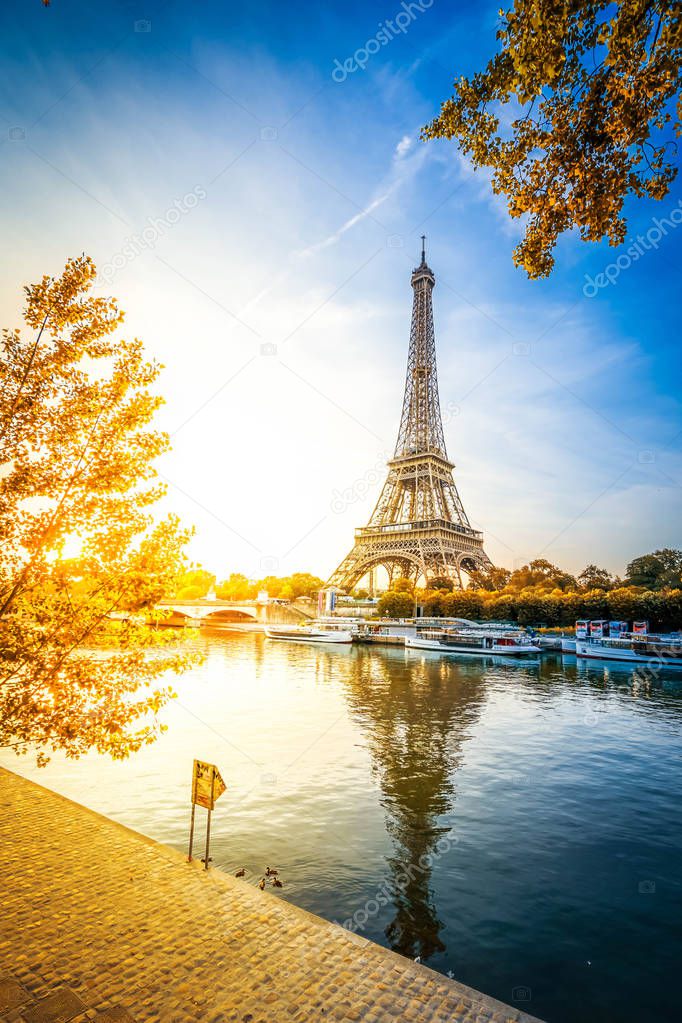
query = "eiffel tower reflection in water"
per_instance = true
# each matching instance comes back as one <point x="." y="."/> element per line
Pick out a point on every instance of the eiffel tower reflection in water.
<point x="415" y="723"/>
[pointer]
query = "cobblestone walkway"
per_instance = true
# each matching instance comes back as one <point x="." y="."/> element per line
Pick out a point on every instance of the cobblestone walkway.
<point x="99" y="923"/>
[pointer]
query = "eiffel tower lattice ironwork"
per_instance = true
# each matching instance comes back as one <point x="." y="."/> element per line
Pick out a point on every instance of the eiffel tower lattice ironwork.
<point x="419" y="527"/>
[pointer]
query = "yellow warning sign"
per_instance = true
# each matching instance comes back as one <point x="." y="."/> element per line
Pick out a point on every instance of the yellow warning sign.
<point x="207" y="785"/>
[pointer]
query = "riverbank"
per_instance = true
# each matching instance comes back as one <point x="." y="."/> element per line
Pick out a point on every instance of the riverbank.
<point x="99" y="922"/>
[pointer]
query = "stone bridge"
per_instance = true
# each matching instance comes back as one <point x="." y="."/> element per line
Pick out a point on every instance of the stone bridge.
<point x="216" y="612"/>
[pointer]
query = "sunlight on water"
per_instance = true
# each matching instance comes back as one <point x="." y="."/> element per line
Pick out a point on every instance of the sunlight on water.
<point x="517" y="824"/>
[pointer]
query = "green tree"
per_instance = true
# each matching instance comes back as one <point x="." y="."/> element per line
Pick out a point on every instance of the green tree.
<point x="303" y="584"/>
<point x="593" y="578"/>
<point x="671" y="559"/>
<point x="498" y="607"/>
<point x="463" y="604"/>
<point x="531" y="607"/>
<point x="300" y="584"/>
<point x="235" y="587"/>
<point x="624" y="604"/>
<point x="576" y="112"/>
<point x="491" y="578"/>
<point x="402" y="585"/>
<point x="194" y="583"/>
<point x="79" y="541"/>
<point x="671" y="612"/>
<point x="671" y="579"/>
<point x="270" y="583"/>
<point x="441" y="582"/>
<point x="543" y="574"/>
<point x="646" y="571"/>
<point x="395" y="605"/>
<point x="432" y="603"/>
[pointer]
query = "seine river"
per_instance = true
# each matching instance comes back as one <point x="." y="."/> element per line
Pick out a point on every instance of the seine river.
<point x="519" y="825"/>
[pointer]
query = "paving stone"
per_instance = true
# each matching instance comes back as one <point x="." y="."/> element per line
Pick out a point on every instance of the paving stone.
<point x="12" y="994"/>
<point x="103" y="925"/>
<point x="59" y="1007"/>
<point x="116" y="1014"/>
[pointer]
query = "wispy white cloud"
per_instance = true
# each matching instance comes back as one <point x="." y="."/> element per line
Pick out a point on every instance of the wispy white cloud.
<point x="332" y="239"/>
<point x="406" y="161"/>
<point x="404" y="146"/>
<point x="405" y="164"/>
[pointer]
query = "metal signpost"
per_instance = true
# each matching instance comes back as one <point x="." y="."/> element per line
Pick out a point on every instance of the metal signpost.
<point x="207" y="787"/>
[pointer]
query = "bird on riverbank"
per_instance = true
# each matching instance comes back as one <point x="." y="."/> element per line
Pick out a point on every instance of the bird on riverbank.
<point x="276" y="883"/>
<point x="240" y="873"/>
<point x="271" y="872"/>
<point x="261" y="884"/>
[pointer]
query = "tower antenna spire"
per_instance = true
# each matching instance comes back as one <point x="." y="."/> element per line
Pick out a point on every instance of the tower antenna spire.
<point x="423" y="250"/>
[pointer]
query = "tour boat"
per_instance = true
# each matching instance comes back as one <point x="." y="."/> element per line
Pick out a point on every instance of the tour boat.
<point x="336" y="623"/>
<point x="308" y="634"/>
<point x="638" y="648"/>
<point x="477" y="642"/>
<point x="549" y="644"/>
<point x="586" y="629"/>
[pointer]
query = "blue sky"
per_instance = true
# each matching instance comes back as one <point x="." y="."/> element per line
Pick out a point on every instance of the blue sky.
<point x="277" y="291"/>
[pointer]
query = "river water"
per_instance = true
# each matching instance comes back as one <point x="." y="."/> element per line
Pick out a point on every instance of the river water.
<point x="519" y="825"/>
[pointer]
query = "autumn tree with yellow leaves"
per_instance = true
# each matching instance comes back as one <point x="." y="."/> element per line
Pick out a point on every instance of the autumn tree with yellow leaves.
<point x="81" y="555"/>
<point x="580" y="109"/>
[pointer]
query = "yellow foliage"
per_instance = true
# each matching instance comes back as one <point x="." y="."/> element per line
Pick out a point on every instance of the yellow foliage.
<point x="77" y="450"/>
<point x="597" y="83"/>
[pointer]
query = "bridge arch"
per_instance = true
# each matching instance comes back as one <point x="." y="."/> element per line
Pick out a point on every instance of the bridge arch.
<point x="229" y="614"/>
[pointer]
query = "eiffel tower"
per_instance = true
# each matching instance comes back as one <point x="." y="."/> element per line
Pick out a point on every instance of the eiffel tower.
<point x="419" y="528"/>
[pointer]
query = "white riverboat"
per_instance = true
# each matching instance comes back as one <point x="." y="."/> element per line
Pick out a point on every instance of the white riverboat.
<point x="308" y="634"/>
<point x="337" y="623"/>
<point x="588" y="630"/>
<point x="476" y="642"/>
<point x="658" y="651"/>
